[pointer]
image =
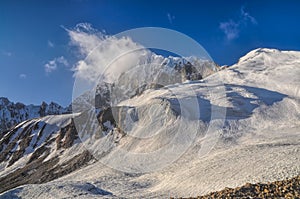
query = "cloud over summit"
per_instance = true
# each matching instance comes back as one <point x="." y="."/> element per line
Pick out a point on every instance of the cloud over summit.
<point x="103" y="55"/>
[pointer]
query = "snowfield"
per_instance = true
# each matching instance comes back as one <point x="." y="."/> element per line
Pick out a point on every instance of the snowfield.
<point x="256" y="106"/>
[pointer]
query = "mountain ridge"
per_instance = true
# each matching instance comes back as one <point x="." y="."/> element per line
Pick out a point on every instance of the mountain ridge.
<point x="13" y="113"/>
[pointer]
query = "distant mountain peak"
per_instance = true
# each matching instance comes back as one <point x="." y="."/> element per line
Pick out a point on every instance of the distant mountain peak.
<point x="13" y="113"/>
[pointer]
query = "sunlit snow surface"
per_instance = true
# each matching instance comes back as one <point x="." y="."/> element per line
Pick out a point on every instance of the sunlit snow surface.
<point x="259" y="141"/>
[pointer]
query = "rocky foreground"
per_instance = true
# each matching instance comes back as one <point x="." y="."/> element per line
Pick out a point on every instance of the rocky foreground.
<point x="289" y="188"/>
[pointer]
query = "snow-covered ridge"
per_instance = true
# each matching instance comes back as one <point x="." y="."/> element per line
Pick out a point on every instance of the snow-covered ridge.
<point x="270" y="53"/>
<point x="13" y="113"/>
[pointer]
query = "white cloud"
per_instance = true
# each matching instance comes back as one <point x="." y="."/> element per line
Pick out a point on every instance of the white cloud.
<point x="170" y="18"/>
<point x="232" y="28"/>
<point x="50" y="44"/>
<point x="246" y="17"/>
<point x="62" y="60"/>
<point x="104" y="55"/>
<point x="53" y="64"/>
<point x="22" y="76"/>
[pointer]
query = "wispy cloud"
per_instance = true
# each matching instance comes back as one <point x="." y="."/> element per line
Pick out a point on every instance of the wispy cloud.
<point x="247" y="17"/>
<point x="53" y="64"/>
<point x="170" y="18"/>
<point x="232" y="28"/>
<point x="50" y="44"/>
<point x="22" y="76"/>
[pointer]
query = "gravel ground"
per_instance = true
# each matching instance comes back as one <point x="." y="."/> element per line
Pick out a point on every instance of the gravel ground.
<point x="289" y="189"/>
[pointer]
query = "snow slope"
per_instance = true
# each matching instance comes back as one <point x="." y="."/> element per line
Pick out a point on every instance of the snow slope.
<point x="256" y="106"/>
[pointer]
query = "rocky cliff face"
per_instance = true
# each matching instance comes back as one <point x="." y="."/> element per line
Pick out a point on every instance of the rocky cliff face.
<point x="40" y="150"/>
<point x="13" y="113"/>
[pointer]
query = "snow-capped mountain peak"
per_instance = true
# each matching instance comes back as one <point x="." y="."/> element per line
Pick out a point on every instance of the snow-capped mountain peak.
<point x="267" y="54"/>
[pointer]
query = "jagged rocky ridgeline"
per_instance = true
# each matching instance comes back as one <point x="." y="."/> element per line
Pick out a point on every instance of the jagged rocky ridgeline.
<point x="13" y="113"/>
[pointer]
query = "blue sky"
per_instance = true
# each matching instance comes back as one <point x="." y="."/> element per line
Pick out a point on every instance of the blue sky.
<point x="36" y="56"/>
